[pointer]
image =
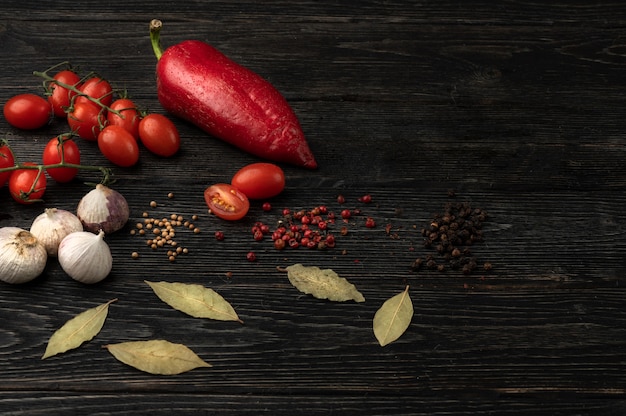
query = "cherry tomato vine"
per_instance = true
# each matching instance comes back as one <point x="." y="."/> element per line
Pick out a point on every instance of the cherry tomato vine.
<point x="102" y="101"/>
<point x="107" y="173"/>
<point x="93" y="114"/>
<point x="94" y="111"/>
<point x="36" y="189"/>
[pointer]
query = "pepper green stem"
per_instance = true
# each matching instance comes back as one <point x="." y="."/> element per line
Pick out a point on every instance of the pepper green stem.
<point x="155" y="37"/>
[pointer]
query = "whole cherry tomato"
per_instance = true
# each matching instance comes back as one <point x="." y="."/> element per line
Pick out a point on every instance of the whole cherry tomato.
<point x="60" y="97"/>
<point x="118" y="146"/>
<point x="27" y="111"/>
<point x="226" y="201"/>
<point x="6" y="161"/>
<point x="27" y="185"/>
<point x="259" y="180"/>
<point x="61" y="149"/>
<point x="86" y="120"/>
<point x="159" y="135"/>
<point x="97" y="88"/>
<point x="128" y="117"/>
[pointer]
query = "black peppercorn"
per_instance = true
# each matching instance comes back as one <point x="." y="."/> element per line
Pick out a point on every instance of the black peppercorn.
<point x="450" y="233"/>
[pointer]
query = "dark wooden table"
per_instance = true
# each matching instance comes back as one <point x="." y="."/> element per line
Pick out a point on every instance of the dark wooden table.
<point x="515" y="107"/>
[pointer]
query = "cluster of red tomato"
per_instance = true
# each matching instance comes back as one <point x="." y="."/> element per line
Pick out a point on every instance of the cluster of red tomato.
<point x="93" y="114"/>
<point x="28" y="184"/>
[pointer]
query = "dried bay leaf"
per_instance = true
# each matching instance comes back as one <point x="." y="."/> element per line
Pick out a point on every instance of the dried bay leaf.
<point x="157" y="356"/>
<point x="83" y="327"/>
<point x="322" y="284"/>
<point x="195" y="300"/>
<point x="393" y="318"/>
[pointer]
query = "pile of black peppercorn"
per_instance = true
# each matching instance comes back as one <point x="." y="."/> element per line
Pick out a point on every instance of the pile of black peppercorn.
<point x="450" y="234"/>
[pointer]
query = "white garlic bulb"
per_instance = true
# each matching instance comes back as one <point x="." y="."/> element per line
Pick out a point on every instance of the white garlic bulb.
<point x="104" y="209"/>
<point x="52" y="226"/>
<point x="22" y="256"/>
<point x="85" y="256"/>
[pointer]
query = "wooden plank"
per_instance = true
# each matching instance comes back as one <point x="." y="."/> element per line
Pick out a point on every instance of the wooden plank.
<point x="516" y="107"/>
<point x="165" y="404"/>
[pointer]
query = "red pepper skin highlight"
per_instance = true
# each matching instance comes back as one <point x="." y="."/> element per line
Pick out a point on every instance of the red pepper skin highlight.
<point x="198" y="83"/>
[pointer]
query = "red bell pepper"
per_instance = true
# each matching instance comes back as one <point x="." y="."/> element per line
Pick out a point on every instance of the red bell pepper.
<point x="198" y="83"/>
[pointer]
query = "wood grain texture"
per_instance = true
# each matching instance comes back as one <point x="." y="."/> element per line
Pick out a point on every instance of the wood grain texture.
<point x="517" y="106"/>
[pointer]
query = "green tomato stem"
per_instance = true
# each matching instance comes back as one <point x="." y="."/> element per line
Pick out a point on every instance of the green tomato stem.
<point x="26" y="195"/>
<point x="48" y="79"/>
<point x="107" y="174"/>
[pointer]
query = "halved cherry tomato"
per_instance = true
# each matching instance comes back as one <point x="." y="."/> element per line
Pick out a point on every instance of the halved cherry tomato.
<point x="27" y="111"/>
<point x="60" y="97"/>
<point x="260" y="180"/>
<point x="118" y="145"/>
<point x="86" y="120"/>
<point x="226" y="201"/>
<point x="128" y="116"/>
<point x="97" y="88"/>
<point x="159" y="135"/>
<point x="6" y="161"/>
<point x="27" y="185"/>
<point x="61" y="149"/>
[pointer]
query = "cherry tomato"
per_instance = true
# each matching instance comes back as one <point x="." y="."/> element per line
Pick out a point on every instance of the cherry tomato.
<point x="60" y="97"/>
<point x="159" y="135"/>
<point x="6" y="161"/>
<point x="259" y="180"/>
<point x="86" y="120"/>
<point x="97" y="88"/>
<point x="226" y="201"/>
<point x="118" y="146"/>
<point x="61" y="149"/>
<point x="27" y="185"/>
<point x="27" y="111"/>
<point x="128" y="118"/>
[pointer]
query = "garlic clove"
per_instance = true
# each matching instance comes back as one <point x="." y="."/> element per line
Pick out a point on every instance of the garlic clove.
<point x="104" y="209"/>
<point x="22" y="256"/>
<point x="52" y="226"/>
<point x="85" y="256"/>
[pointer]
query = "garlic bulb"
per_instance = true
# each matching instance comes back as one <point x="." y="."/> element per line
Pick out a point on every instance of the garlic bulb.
<point x="85" y="256"/>
<point x="103" y="209"/>
<point x="52" y="226"/>
<point x="22" y="256"/>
